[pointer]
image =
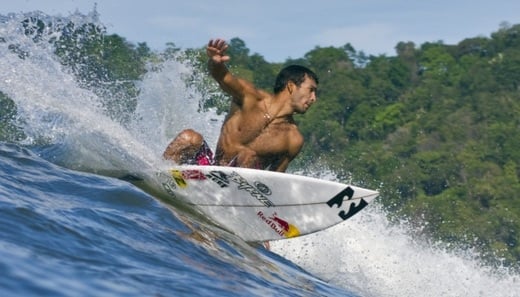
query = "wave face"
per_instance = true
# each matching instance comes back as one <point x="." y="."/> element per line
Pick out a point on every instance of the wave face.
<point x="69" y="233"/>
<point x="69" y="228"/>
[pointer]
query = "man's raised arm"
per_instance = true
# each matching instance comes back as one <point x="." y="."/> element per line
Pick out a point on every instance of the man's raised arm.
<point x="232" y="85"/>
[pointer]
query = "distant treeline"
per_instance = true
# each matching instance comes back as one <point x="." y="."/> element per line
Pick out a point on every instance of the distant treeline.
<point x="436" y="128"/>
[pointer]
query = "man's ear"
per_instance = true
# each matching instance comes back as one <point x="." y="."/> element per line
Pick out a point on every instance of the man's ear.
<point x="290" y="87"/>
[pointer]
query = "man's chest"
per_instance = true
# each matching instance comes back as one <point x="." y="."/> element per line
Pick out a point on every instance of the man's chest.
<point x="273" y="139"/>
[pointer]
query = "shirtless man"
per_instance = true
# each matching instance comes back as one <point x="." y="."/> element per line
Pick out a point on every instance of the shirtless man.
<point x="259" y="130"/>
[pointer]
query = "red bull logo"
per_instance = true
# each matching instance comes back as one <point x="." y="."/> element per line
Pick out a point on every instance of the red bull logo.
<point x="280" y="226"/>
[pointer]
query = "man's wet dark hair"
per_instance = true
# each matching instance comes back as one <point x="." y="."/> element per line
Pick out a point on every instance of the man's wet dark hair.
<point x="294" y="73"/>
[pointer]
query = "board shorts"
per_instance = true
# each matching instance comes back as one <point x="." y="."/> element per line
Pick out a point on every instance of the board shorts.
<point x="206" y="157"/>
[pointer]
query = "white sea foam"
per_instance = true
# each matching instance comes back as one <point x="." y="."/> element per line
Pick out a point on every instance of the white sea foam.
<point x="54" y="109"/>
<point x="370" y="255"/>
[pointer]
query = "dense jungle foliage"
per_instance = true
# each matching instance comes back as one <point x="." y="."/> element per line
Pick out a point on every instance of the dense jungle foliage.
<point x="436" y="128"/>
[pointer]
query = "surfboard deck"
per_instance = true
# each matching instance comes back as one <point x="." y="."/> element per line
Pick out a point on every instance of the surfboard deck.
<point x="259" y="205"/>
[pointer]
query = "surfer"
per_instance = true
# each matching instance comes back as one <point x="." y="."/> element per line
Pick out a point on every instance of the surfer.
<point x="259" y="130"/>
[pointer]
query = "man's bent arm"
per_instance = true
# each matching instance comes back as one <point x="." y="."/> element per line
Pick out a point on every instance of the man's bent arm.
<point x="294" y="147"/>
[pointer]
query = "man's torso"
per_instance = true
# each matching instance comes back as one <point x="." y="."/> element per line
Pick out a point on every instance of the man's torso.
<point x="251" y="128"/>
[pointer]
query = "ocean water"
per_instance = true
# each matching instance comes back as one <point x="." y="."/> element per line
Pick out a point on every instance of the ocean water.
<point x="68" y="233"/>
<point x="69" y="226"/>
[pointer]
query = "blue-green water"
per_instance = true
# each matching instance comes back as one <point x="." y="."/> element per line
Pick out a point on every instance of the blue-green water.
<point x="70" y="227"/>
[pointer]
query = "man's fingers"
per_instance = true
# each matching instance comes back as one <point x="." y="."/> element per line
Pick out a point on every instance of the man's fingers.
<point x="218" y="47"/>
<point x="218" y="43"/>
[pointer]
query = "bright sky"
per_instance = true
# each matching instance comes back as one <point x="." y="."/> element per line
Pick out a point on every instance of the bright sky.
<point x="280" y="29"/>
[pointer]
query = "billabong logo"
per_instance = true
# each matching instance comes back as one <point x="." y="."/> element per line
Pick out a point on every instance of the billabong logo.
<point x="352" y="209"/>
<point x="280" y="226"/>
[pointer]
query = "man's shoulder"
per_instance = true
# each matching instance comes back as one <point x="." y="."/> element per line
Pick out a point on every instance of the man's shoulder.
<point x="261" y="95"/>
<point x="296" y="141"/>
<point x="294" y="135"/>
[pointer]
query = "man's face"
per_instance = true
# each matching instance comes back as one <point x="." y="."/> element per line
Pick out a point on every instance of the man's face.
<point x="304" y="95"/>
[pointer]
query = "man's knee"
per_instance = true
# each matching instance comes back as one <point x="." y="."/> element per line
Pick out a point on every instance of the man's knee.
<point x="189" y="137"/>
<point x="183" y="146"/>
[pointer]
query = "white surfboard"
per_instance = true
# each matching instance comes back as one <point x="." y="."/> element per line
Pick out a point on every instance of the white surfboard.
<point x="259" y="205"/>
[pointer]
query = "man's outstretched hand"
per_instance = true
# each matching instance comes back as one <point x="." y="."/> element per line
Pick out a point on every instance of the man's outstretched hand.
<point x="216" y="50"/>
